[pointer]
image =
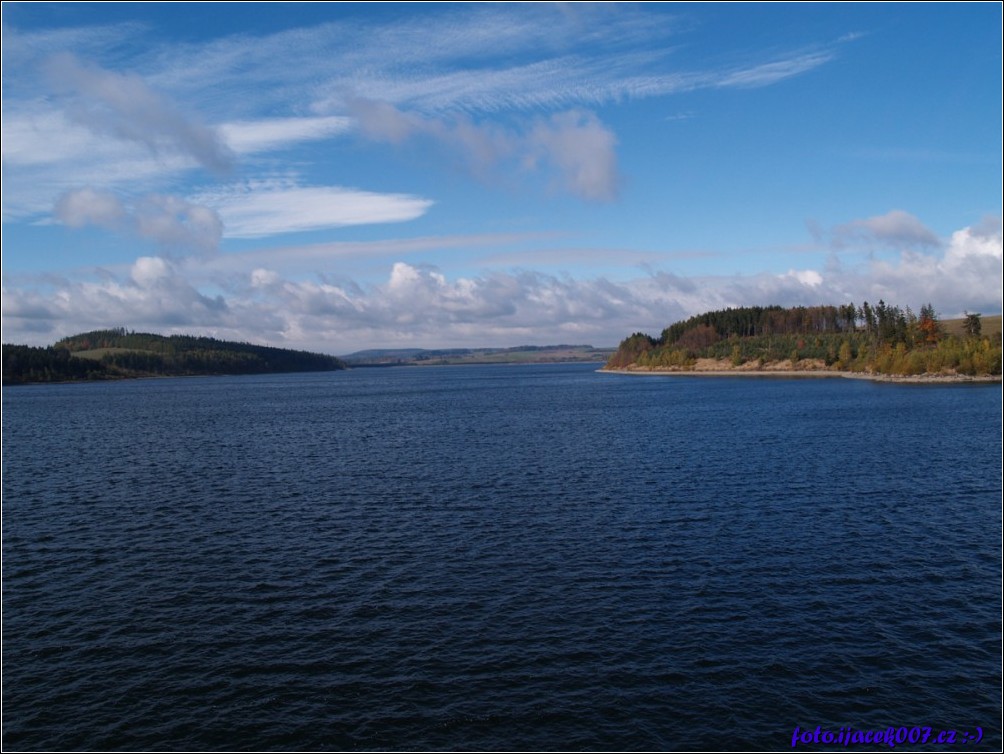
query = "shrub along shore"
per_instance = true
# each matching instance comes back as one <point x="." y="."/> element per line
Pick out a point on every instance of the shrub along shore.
<point x="881" y="342"/>
<point x="785" y="369"/>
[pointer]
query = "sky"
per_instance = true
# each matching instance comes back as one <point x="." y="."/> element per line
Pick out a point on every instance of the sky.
<point x="340" y="176"/>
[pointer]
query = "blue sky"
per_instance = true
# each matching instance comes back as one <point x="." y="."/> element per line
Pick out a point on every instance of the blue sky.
<point x="342" y="176"/>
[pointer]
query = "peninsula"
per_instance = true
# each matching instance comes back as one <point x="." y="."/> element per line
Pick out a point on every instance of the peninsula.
<point x="118" y="354"/>
<point x="882" y="342"/>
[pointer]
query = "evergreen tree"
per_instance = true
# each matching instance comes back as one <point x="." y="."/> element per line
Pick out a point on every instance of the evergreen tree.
<point x="973" y="325"/>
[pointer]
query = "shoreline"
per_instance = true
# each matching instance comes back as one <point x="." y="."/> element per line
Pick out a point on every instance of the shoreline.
<point x="718" y="371"/>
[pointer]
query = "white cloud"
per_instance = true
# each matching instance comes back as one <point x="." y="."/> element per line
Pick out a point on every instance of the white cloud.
<point x="262" y="278"/>
<point x="154" y="294"/>
<point x="765" y="74"/>
<point x="269" y="134"/>
<point x="422" y="305"/>
<point x="253" y="209"/>
<point x="147" y="272"/>
<point x="204" y="102"/>
<point x="476" y="59"/>
<point x="810" y="278"/>
<point x="976" y="245"/>
<point x="259" y="208"/>
<point x="965" y="275"/>
<point x="591" y="60"/>
<point x="46" y="155"/>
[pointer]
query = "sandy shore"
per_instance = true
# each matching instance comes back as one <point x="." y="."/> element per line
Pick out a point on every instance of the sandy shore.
<point x="807" y="368"/>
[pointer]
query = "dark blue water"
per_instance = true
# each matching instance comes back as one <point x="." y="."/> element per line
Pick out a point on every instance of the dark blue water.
<point x="497" y="558"/>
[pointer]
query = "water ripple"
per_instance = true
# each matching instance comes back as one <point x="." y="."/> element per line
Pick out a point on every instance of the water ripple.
<point x="490" y="558"/>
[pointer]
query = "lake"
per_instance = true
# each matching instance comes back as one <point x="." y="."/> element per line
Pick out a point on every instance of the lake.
<point x="499" y="557"/>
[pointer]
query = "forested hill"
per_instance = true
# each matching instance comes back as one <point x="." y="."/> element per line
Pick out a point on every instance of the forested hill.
<point x="881" y="339"/>
<point x="115" y="354"/>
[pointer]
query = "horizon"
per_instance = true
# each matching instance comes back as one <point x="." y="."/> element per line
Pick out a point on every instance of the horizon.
<point x="404" y="349"/>
<point x="346" y="177"/>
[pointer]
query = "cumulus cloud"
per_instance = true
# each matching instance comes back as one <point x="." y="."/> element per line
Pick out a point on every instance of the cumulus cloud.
<point x="962" y="272"/>
<point x="989" y="229"/>
<point x="415" y="304"/>
<point x="168" y="221"/>
<point x="262" y="278"/>
<point x="153" y="295"/>
<point x="148" y="272"/>
<point x="124" y="106"/>
<point x="422" y="305"/>
<point x="574" y="148"/>
<point x="965" y="274"/>
<point x="810" y="278"/>
<point x="979" y="245"/>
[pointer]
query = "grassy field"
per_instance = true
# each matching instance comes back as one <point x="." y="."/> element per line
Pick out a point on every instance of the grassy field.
<point x="97" y="353"/>
<point x="991" y="325"/>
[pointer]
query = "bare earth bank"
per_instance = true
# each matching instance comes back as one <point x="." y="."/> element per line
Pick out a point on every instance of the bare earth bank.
<point x="803" y="368"/>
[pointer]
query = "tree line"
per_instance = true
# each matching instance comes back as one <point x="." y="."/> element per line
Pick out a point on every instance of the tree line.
<point x="880" y="338"/>
<point x="117" y="353"/>
<point x="23" y="364"/>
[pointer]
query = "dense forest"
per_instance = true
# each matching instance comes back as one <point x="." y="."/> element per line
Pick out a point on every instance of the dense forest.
<point x="115" y="354"/>
<point x="880" y="339"/>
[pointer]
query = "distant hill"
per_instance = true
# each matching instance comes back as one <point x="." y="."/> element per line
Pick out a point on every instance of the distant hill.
<point x="118" y="354"/>
<point x="515" y="355"/>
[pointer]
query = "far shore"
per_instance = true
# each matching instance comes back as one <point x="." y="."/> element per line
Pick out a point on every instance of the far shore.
<point x="814" y="368"/>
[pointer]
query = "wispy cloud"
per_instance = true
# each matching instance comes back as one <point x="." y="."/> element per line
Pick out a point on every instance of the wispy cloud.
<point x="773" y="71"/>
<point x="124" y="106"/>
<point x="116" y="118"/>
<point x="475" y="59"/>
<point x="45" y="155"/>
<point x="259" y="208"/>
<point x="269" y="134"/>
<point x="27" y="50"/>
